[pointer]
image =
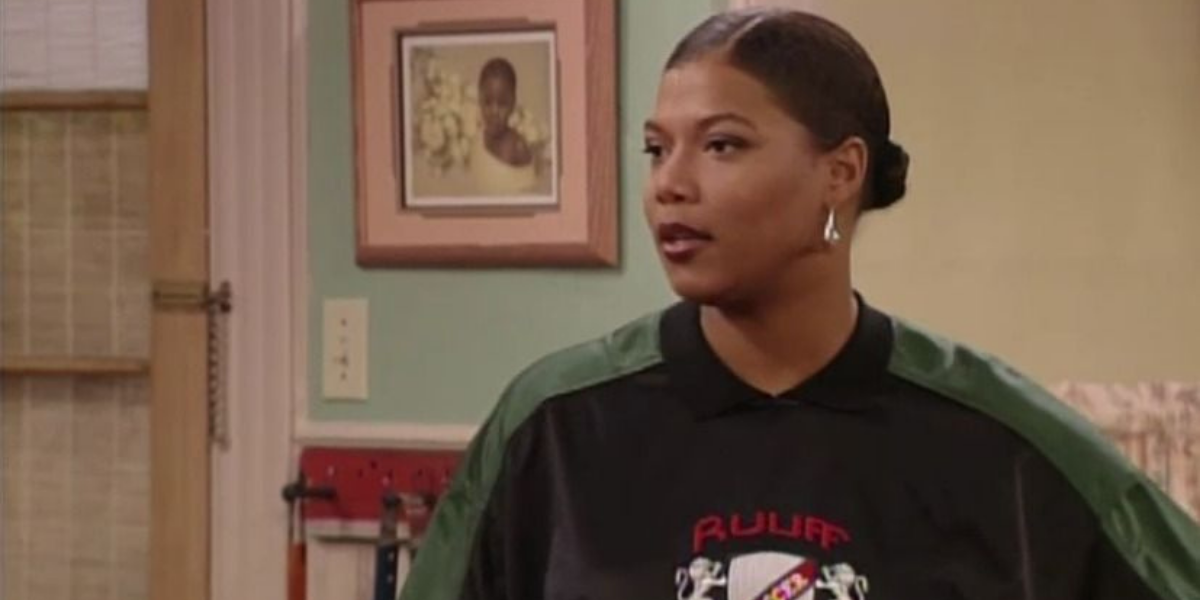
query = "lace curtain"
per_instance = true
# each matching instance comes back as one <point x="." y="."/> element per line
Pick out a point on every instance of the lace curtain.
<point x="1156" y="425"/>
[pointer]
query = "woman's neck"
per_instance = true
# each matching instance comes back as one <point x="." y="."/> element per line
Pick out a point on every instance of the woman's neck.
<point x="775" y="345"/>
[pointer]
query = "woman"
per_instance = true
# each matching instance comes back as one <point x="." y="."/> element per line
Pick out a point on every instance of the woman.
<point x="772" y="435"/>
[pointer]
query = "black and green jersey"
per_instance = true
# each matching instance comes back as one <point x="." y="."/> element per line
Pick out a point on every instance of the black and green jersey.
<point x="638" y="466"/>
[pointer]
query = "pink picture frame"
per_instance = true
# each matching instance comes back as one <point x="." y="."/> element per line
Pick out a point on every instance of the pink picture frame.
<point x="485" y="133"/>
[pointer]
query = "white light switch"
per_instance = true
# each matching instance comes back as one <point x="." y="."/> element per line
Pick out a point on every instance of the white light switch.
<point x="345" y="349"/>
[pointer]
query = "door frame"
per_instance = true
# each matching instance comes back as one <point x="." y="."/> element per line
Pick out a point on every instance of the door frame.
<point x="221" y="180"/>
<point x="178" y="561"/>
<point x="256" y="202"/>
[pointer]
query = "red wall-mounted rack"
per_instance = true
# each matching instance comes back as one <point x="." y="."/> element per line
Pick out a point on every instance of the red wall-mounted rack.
<point x="360" y="478"/>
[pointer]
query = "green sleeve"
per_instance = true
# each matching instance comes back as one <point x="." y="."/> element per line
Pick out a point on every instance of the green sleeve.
<point x="1147" y="529"/>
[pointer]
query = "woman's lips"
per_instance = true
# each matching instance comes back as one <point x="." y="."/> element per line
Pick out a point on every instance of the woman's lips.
<point x="680" y="242"/>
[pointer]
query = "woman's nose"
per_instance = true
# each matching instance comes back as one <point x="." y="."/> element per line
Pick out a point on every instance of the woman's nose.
<point x="674" y="179"/>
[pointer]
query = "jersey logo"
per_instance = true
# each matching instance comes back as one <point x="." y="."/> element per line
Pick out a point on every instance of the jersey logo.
<point x="768" y="576"/>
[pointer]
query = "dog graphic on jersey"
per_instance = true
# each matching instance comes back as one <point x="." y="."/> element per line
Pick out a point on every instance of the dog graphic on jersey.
<point x="769" y="575"/>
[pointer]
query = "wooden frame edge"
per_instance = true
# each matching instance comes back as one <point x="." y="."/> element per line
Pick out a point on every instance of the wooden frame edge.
<point x="600" y="249"/>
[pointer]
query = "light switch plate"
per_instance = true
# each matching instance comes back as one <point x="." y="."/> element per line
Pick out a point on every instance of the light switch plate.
<point x="344" y="373"/>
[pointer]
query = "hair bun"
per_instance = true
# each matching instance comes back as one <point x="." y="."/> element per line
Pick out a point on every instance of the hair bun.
<point x="891" y="175"/>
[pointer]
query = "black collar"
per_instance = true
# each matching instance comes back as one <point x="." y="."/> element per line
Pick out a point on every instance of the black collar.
<point x="710" y="388"/>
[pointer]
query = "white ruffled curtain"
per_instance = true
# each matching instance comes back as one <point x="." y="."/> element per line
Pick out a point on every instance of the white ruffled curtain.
<point x="1157" y="425"/>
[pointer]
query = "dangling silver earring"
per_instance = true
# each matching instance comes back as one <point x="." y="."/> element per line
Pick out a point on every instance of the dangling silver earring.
<point x="832" y="235"/>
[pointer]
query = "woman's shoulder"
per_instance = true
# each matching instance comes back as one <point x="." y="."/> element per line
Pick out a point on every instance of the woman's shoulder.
<point x="990" y="386"/>
<point x="1143" y="523"/>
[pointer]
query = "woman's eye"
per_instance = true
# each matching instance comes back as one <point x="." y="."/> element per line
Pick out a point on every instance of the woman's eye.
<point x="654" y="150"/>
<point x="724" y="145"/>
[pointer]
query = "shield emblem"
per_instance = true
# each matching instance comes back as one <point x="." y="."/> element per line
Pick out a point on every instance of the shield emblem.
<point x="771" y="576"/>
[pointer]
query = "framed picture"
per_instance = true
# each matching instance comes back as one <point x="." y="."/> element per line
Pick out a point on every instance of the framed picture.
<point x="479" y="120"/>
<point x="485" y="132"/>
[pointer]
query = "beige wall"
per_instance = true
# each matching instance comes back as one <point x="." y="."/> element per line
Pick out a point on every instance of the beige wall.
<point x="1054" y="208"/>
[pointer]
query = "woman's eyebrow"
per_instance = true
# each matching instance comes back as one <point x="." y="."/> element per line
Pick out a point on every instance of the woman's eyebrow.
<point x="653" y="126"/>
<point x="711" y="120"/>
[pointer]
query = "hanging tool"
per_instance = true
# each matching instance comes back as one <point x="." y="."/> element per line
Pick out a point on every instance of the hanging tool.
<point x="387" y="548"/>
<point x="418" y="508"/>
<point x="295" y="494"/>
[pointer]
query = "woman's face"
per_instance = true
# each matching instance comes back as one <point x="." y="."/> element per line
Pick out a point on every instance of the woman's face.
<point x="496" y="100"/>
<point x="738" y="192"/>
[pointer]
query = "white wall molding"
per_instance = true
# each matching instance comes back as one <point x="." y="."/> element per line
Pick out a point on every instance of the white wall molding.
<point x="383" y="435"/>
<point x="252" y="148"/>
<point x="299" y="214"/>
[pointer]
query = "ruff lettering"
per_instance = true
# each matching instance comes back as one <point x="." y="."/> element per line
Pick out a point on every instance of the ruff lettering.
<point x="814" y="530"/>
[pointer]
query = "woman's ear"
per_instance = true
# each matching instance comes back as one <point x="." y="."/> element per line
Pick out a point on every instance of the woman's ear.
<point x="848" y="169"/>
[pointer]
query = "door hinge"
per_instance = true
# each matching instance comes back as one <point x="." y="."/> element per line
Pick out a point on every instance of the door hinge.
<point x="218" y="303"/>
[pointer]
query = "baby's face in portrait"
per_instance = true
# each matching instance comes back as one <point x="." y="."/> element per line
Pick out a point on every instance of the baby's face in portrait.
<point x="496" y="101"/>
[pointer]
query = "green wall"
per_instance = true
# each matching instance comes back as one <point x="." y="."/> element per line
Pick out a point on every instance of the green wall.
<point x="443" y="343"/>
